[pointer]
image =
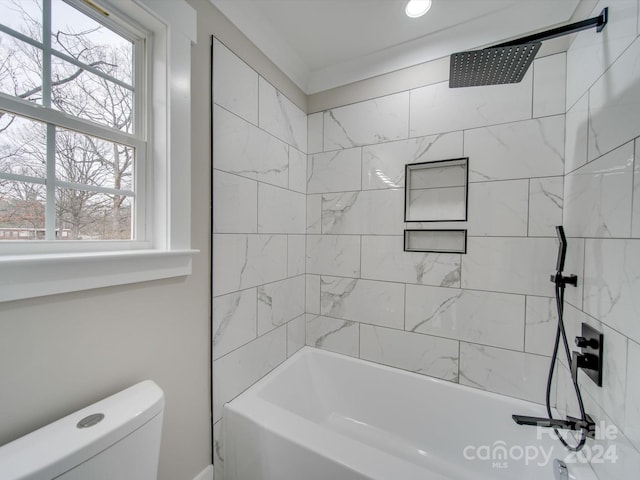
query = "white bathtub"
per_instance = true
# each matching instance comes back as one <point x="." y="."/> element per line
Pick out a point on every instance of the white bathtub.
<point x="323" y="416"/>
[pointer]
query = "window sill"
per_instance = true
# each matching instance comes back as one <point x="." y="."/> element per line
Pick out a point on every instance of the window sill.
<point x="28" y="276"/>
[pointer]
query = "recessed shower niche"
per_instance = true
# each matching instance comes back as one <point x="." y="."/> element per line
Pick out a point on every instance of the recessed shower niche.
<point x="436" y="191"/>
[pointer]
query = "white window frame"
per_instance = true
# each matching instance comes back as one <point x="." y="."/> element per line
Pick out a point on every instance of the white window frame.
<point x="166" y="252"/>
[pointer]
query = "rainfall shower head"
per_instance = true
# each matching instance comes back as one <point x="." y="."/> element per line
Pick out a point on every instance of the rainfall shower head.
<point x="509" y="62"/>
<point x="491" y="66"/>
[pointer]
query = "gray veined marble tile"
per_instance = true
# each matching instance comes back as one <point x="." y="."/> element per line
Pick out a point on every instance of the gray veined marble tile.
<point x="632" y="406"/>
<point x="313" y="294"/>
<point x="437" y="108"/>
<point x="591" y="53"/>
<point x="545" y="205"/>
<point x="612" y="284"/>
<point x="315" y="131"/>
<point x="234" y="321"/>
<point x="433" y="356"/>
<point x="531" y="148"/>
<point x="483" y="317"/>
<point x="314" y="214"/>
<point x="541" y="325"/>
<point x="577" y="126"/>
<point x="333" y="255"/>
<point x="549" y="85"/>
<point x="383" y="258"/>
<point x="241" y="368"/>
<point x="378" y="212"/>
<point x="297" y="170"/>
<point x="235" y="84"/>
<point x="383" y="165"/>
<point x="379" y="120"/>
<point x="280" y="302"/>
<point x="244" y="261"/>
<point x="598" y="196"/>
<point x="242" y="148"/>
<point x="614" y="116"/>
<point x="281" y="117"/>
<point x="296" y="255"/>
<point x="218" y="449"/>
<point x="242" y="193"/>
<point x="515" y="374"/>
<point x="498" y="208"/>
<point x="280" y="210"/>
<point x="340" y="336"/>
<point x="364" y="301"/>
<point x="338" y="171"/>
<point x="296" y="334"/>
<point x="635" y="219"/>
<point x="510" y="264"/>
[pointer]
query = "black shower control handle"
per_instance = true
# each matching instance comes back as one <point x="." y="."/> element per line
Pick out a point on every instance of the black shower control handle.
<point x="584" y="342"/>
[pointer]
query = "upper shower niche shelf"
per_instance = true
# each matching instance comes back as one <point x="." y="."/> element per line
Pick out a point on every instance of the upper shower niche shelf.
<point x="436" y="191"/>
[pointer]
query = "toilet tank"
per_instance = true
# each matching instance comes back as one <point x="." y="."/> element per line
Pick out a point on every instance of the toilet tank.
<point x="117" y="438"/>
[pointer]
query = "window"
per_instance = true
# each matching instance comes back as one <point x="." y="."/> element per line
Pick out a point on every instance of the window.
<point x="94" y="143"/>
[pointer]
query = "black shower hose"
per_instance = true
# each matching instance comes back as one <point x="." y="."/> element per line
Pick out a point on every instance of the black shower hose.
<point x="561" y="333"/>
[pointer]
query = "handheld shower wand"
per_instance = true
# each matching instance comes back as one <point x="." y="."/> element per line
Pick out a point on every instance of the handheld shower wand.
<point x="584" y="424"/>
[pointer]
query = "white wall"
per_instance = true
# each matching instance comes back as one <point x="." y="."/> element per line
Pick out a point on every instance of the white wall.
<point x="259" y="185"/>
<point x="602" y="217"/>
<point x="483" y="318"/>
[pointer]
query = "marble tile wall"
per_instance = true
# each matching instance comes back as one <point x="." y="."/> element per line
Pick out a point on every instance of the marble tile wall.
<point x="601" y="217"/>
<point x="259" y="230"/>
<point x="484" y="318"/>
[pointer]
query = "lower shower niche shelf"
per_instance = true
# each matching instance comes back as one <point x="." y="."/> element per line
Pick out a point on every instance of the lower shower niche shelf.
<point x="437" y="241"/>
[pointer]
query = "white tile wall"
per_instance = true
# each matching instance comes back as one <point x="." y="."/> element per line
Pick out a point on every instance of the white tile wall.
<point x="549" y="85"/>
<point x="598" y="196"/>
<point x="235" y="84"/>
<point x="515" y="374"/>
<point x="281" y="117"/>
<point x="374" y="212"/>
<point x="245" y="150"/>
<point x="592" y="53"/>
<point x="487" y="318"/>
<point x="280" y="302"/>
<point x="333" y="334"/>
<point x="383" y="164"/>
<point x="335" y="171"/>
<point x="234" y="320"/>
<point x="379" y="120"/>
<point x="242" y="193"/>
<point x="531" y="148"/>
<point x="437" y="357"/>
<point x="333" y="255"/>
<point x="439" y="109"/>
<point x="384" y="259"/>
<point x="614" y="105"/>
<point x="545" y="205"/>
<point x="498" y="208"/>
<point x="280" y="210"/>
<point x="364" y="301"/>
<point x="512" y="265"/>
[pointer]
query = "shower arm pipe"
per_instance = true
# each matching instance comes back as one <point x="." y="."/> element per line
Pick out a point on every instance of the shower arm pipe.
<point x="599" y="22"/>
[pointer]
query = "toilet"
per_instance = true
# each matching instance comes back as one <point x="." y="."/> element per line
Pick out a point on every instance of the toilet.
<point x="115" y="438"/>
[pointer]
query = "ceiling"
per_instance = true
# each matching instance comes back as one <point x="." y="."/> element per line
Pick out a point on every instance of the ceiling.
<point x="322" y="44"/>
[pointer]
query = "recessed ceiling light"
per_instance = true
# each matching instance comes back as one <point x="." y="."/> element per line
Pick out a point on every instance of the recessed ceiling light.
<point x="417" y="8"/>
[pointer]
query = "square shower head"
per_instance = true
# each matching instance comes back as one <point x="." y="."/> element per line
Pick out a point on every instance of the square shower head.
<point x="491" y="66"/>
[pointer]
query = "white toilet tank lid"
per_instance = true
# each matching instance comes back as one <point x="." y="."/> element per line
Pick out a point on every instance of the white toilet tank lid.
<point x="61" y="445"/>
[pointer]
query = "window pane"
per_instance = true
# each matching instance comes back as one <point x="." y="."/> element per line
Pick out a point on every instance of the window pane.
<point x="84" y="215"/>
<point x="85" y="95"/>
<point x="22" y="208"/>
<point x="24" y="16"/>
<point x="20" y="69"/>
<point x="22" y="146"/>
<point x="81" y="37"/>
<point x="93" y="161"/>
